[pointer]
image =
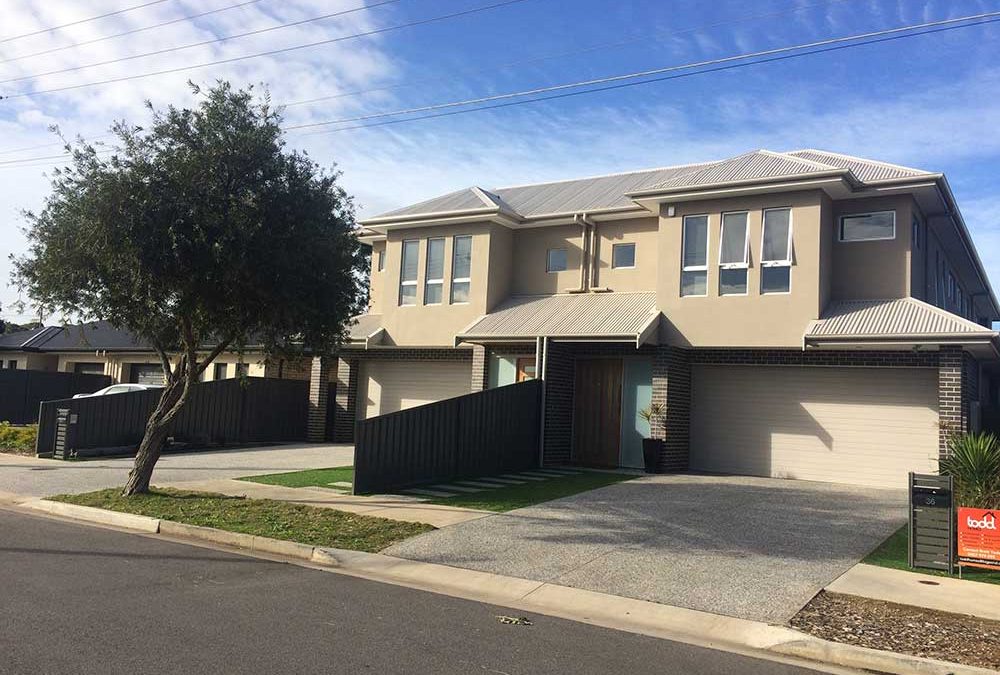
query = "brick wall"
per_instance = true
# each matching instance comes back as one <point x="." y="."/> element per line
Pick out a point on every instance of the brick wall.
<point x="672" y="389"/>
<point x="560" y="372"/>
<point x="797" y="357"/>
<point x="346" y="398"/>
<point x="318" y="393"/>
<point x="480" y="363"/>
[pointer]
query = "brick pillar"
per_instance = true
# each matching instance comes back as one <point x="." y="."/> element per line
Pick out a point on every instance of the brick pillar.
<point x="672" y="389"/>
<point x="480" y="364"/>
<point x="346" y="399"/>
<point x="319" y="387"/>
<point x="560" y="381"/>
<point x="953" y="412"/>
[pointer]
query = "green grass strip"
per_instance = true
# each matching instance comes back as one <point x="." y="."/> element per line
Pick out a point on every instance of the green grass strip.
<point x="894" y="553"/>
<point x="307" y="478"/>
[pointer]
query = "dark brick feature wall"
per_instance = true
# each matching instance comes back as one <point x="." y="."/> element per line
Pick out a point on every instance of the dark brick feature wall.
<point x="672" y="389"/>
<point x="560" y="372"/>
<point x="318" y="393"/>
<point x="797" y="357"/>
<point x="347" y="400"/>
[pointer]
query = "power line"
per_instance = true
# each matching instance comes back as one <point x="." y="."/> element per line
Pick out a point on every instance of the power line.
<point x="585" y="50"/>
<point x="272" y="52"/>
<point x="676" y="76"/>
<point x="190" y="17"/>
<point x="76" y="23"/>
<point x="169" y="50"/>
<point x="646" y="73"/>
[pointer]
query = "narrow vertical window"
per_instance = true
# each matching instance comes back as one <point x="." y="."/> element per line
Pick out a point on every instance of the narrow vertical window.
<point x="734" y="254"/>
<point x="381" y="260"/>
<point x="461" y="268"/>
<point x="694" y="256"/>
<point x="434" y="276"/>
<point x="776" y="251"/>
<point x="408" y="273"/>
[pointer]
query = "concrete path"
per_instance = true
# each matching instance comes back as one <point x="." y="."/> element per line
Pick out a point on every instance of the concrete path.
<point x="945" y="594"/>
<point x="396" y="507"/>
<point x="752" y="548"/>
<point x="46" y="477"/>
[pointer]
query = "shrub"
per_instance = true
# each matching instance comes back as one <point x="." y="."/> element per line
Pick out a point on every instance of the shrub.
<point x="18" y="439"/>
<point x="974" y="463"/>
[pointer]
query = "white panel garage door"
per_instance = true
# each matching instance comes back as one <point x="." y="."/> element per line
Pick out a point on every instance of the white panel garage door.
<point x="388" y="386"/>
<point x="865" y="426"/>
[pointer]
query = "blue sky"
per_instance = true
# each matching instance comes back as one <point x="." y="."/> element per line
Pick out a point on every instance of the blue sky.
<point x="932" y="102"/>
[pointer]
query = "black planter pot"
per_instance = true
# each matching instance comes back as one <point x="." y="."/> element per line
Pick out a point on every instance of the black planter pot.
<point x="651" y="453"/>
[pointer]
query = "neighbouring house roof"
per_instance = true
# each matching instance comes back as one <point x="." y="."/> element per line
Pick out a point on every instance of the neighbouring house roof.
<point x="903" y="319"/>
<point x="22" y="339"/>
<point x="366" y="329"/>
<point x="90" y="337"/>
<point x="594" y="316"/>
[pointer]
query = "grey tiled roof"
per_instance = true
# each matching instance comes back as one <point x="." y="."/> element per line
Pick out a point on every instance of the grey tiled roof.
<point x="613" y="190"/>
<point x="18" y="339"/>
<point x="619" y="315"/>
<point x="902" y="317"/>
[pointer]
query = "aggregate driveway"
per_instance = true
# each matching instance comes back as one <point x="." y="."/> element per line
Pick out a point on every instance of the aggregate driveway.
<point x="46" y="477"/>
<point x="754" y="548"/>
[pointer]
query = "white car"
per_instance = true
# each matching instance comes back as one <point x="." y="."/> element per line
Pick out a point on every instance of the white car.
<point x="120" y="389"/>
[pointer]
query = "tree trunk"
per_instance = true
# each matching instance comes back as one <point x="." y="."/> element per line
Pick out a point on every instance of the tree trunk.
<point x="152" y="442"/>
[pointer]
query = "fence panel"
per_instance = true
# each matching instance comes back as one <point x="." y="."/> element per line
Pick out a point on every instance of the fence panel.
<point x="255" y="409"/>
<point x="21" y="391"/>
<point x="469" y="436"/>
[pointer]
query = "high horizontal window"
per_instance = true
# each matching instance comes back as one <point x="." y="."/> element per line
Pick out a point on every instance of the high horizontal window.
<point x="623" y="256"/>
<point x="776" y="252"/>
<point x="461" y="269"/>
<point x="408" y="272"/>
<point x="875" y="226"/>
<point x="734" y="254"/>
<point x="555" y="260"/>
<point x="434" y="273"/>
<point x="694" y="256"/>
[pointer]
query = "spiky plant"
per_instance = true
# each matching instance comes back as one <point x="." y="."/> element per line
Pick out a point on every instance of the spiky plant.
<point x="974" y="462"/>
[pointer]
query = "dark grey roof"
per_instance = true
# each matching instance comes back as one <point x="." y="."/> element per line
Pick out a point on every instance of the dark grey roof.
<point x="612" y="191"/>
<point x="20" y="339"/>
<point x="89" y="337"/>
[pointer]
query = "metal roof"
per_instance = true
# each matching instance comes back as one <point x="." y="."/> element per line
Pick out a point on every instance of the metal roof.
<point x="364" y="327"/>
<point x="899" y="318"/>
<point x="590" y="315"/>
<point x="612" y="191"/>
<point x="22" y="338"/>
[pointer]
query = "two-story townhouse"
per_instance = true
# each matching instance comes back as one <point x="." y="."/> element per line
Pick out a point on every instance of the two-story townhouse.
<point x="803" y="314"/>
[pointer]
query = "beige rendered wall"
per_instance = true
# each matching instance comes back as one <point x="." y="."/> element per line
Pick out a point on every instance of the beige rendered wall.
<point x="752" y="320"/>
<point x="501" y="266"/>
<point x="376" y="286"/>
<point x="873" y="270"/>
<point x="116" y="365"/>
<point x="643" y="233"/>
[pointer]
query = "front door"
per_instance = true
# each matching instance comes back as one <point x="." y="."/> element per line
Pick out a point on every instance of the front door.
<point x="597" y="412"/>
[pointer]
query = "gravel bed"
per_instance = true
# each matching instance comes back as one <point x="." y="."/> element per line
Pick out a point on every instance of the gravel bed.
<point x="900" y="628"/>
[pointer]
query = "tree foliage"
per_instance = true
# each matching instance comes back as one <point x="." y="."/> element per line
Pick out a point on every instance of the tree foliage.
<point x="201" y="234"/>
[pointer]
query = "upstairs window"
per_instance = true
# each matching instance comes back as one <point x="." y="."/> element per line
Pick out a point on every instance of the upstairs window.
<point x="555" y="260"/>
<point x="875" y="226"/>
<point x="694" y="256"/>
<point x="434" y="273"/>
<point x="776" y="252"/>
<point x="381" y="260"/>
<point x="461" y="269"/>
<point x="623" y="256"/>
<point x="408" y="273"/>
<point x="734" y="254"/>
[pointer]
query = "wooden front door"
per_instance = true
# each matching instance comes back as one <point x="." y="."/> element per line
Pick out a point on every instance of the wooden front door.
<point x="597" y="412"/>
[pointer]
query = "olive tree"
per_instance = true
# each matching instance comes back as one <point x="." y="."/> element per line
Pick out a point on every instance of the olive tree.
<point x="200" y="234"/>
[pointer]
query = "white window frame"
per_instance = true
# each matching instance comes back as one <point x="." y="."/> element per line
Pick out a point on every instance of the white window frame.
<point x="437" y="281"/>
<point x="695" y="268"/>
<point x="840" y="227"/>
<point x="745" y="265"/>
<point x="788" y="249"/>
<point x="623" y="267"/>
<point x="459" y="280"/>
<point x="402" y="267"/>
<point x="380" y="261"/>
<point x="547" y="259"/>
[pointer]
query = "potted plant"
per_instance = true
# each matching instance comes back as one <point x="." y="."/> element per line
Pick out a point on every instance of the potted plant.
<point x="654" y="414"/>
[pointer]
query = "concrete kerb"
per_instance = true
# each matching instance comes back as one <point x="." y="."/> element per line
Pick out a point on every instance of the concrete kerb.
<point x="637" y="616"/>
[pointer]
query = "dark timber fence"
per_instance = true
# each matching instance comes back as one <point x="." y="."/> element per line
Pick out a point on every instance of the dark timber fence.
<point x="489" y="432"/>
<point x="248" y="410"/>
<point x="22" y="390"/>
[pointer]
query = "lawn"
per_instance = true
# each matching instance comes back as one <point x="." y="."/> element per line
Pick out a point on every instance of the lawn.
<point x="261" y="517"/>
<point x="19" y="440"/>
<point x="893" y="553"/>
<point x="533" y="492"/>
<point x="308" y="478"/>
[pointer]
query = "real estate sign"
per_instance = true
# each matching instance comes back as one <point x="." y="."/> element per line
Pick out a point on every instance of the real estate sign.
<point x="979" y="538"/>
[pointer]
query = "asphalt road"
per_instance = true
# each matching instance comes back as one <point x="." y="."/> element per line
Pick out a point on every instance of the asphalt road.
<point x="78" y="599"/>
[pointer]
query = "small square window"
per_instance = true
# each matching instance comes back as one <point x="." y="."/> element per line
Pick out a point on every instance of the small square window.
<point x="555" y="260"/>
<point x="775" y="279"/>
<point x="876" y="226"/>
<point x="623" y="256"/>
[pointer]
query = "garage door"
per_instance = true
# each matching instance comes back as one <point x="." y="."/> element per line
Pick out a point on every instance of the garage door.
<point x="864" y="426"/>
<point x="388" y="386"/>
<point x="145" y="373"/>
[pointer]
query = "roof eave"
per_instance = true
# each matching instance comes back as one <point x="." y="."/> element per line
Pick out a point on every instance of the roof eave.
<point x="751" y="182"/>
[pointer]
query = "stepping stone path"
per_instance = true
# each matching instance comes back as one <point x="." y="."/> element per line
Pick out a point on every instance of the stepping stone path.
<point x="451" y="487"/>
<point x="520" y="476"/>
<point x="423" y="492"/>
<point x="341" y="484"/>
<point x="444" y="491"/>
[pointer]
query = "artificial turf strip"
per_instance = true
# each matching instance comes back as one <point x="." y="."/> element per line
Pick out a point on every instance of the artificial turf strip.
<point x="307" y="478"/>
<point x="518" y="496"/>
<point x="893" y="552"/>
<point x="260" y="517"/>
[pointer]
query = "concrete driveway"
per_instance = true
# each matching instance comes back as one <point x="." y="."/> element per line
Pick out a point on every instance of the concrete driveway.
<point x="753" y="548"/>
<point x="45" y="477"/>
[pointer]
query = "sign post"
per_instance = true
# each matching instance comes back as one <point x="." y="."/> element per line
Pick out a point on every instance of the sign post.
<point x="978" y="538"/>
<point x="932" y="519"/>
